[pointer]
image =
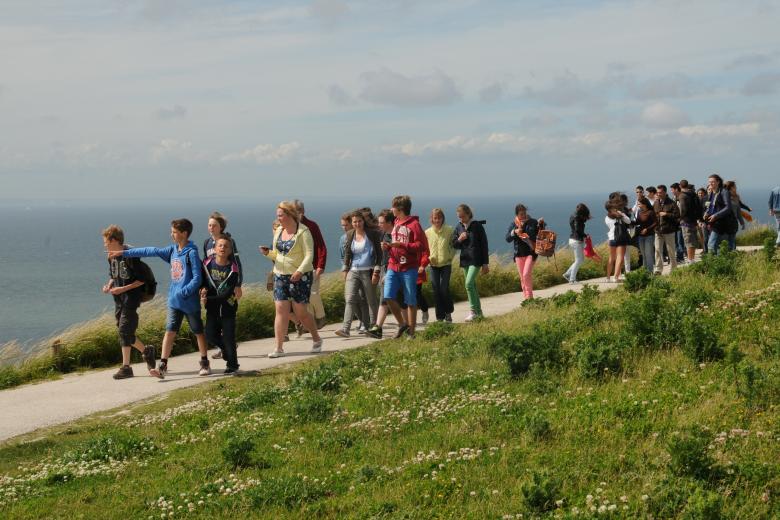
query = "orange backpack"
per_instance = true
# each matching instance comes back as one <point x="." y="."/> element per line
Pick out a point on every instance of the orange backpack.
<point x="545" y="242"/>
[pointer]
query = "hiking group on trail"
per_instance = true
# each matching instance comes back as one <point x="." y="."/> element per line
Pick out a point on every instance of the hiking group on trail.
<point x="385" y="259"/>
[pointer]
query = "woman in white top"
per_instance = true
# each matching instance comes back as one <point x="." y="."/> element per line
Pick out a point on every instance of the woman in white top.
<point x="617" y="232"/>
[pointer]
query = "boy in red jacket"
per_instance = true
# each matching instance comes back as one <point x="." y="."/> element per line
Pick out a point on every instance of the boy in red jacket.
<point x="407" y="248"/>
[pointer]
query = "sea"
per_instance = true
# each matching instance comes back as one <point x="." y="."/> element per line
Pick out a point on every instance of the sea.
<point x="52" y="266"/>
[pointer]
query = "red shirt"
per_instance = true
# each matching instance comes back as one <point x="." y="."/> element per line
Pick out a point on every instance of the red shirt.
<point x="320" y="250"/>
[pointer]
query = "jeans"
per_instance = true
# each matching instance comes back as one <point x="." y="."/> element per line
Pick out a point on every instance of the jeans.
<point x="578" y="246"/>
<point x="222" y="331"/>
<point x="777" y="220"/>
<point x="647" y="248"/>
<point x="525" y="266"/>
<point x="680" y="245"/>
<point x="440" y="283"/>
<point x="471" y="272"/>
<point x="713" y="244"/>
<point x="355" y="299"/>
<point x="661" y="241"/>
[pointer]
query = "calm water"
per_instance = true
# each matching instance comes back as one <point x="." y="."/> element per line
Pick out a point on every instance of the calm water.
<point x="53" y="266"/>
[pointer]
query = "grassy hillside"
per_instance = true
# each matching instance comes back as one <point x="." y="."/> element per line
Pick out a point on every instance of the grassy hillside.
<point x="655" y="400"/>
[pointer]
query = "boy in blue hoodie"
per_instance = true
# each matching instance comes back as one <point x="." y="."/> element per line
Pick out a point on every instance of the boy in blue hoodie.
<point x="183" y="293"/>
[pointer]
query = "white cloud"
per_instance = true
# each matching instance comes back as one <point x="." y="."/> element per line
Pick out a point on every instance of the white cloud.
<point x="565" y="90"/>
<point x="762" y="85"/>
<point x="175" y="112"/>
<point x="386" y="87"/>
<point x="672" y="86"/>
<point x="265" y="154"/>
<point x="663" y="115"/>
<point x="744" y="129"/>
<point x="175" y="150"/>
<point x="329" y="11"/>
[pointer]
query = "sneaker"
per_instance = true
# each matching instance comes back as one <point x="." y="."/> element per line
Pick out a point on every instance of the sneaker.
<point x="160" y="371"/>
<point x="425" y="317"/>
<point x="205" y="368"/>
<point x="124" y="372"/>
<point x="299" y="330"/>
<point x="229" y="371"/>
<point x="342" y="333"/>
<point x="448" y="317"/>
<point x="566" y="278"/>
<point x="410" y="335"/>
<point x="470" y="317"/>
<point x="375" y="332"/>
<point x="401" y="331"/>
<point x="217" y="354"/>
<point x="321" y="322"/>
<point x="149" y="354"/>
<point x="316" y="347"/>
<point x="362" y="330"/>
<point x="276" y="354"/>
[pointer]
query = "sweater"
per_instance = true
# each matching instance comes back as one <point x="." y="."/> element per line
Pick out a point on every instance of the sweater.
<point x="220" y="283"/>
<point x="408" y="255"/>
<point x="320" y="249"/>
<point x="473" y="250"/>
<point x="186" y="273"/>
<point x="440" y="246"/>
<point x="300" y="256"/>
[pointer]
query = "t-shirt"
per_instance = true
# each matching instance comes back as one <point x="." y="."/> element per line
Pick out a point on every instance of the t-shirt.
<point x="362" y="255"/>
<point x="124" y="271"/>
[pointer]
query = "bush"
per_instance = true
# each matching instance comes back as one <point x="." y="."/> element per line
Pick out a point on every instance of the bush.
<point x="689" y="456"/>
<point x="540" y="347"/>
<point x="541" y="492"/>
<point x="703" y="505"/>
<point x="312" y="407"/>
<point x="646" y="315"/>
<point x="600" y="353"/>
<point x="438" y="329"/>
<point x="699" y="339"/>
<point x="237" y="451"/>
<point x="723" y="265"/>
<point x="769" y="250"/>
<point x="637" y="280"/>
<point x="538" y="426"/>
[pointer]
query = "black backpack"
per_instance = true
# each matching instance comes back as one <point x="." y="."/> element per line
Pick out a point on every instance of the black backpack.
<point x="694" y="207"/>
<point x="150" y="284"/>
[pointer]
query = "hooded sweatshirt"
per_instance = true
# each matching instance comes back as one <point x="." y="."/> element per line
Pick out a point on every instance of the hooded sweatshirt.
<point x="186" y="276"/>
<point x="220" y="283"/>
<point x="407" y="231"/>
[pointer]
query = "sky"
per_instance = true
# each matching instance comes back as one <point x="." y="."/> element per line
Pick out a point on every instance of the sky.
<point x="128" y="99"/>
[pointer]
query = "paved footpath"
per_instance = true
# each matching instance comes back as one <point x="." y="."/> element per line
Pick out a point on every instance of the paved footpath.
<point x="33" y="406"/>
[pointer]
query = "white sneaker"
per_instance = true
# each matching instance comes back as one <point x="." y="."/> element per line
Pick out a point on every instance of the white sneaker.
<point x="470" y="316"/>
<point x="316" y="347"/>
<point x="217" y="354"/>
<point x="276" y="354"/>
<point x="425" y="317"/>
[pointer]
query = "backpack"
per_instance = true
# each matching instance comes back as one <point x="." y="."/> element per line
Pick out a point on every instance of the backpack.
<point x="545" y="242"/>
<point x="150" y="284"/>
<point x="693" y="206"/>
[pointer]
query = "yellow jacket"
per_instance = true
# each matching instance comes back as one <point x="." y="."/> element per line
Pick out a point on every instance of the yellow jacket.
<point x="300" y="256"/>
<point x="440" y="245"/>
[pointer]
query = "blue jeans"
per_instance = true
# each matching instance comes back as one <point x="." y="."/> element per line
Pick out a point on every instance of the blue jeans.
<point x="578" y="246"/>
<point x="440" y="283"/>
<point x="713" y="244"/>
<point x="777" y="220"/>
<point x="647" y="248"/>
<point x="406" y="280"/>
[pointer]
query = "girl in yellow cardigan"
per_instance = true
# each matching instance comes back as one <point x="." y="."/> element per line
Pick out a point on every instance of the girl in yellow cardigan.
<point x="441" y="254"/>
<point x="292" y="252"/>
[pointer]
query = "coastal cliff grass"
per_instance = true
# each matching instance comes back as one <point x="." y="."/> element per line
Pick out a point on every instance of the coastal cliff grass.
<point x="583" y="405"/>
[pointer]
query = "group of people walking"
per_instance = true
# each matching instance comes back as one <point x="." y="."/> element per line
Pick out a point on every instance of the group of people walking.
<point x="386" y="259"/>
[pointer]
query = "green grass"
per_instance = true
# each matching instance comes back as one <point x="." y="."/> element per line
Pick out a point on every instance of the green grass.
<point x="445" y="427"/>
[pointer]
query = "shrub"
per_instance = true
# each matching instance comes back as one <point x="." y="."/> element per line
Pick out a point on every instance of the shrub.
<point x="722" y="265"/>
<point x="703" y="505"/>
<point x="540" y="347"/>
<point x="600" y="353"/>
<point x="689" y="456"/>
<point x="646" y="316"/>
<point x="438" y="329"/>
<point x="538" y="426"/>
<point x="637" y="280"/>
<point x="699" y="338"/>
<point x="312" y="407"/>
<point x="237" y="450"/>
<point x="566" y="299"/>
<point x="770" y="247"/>
<point x="540" y="492"/>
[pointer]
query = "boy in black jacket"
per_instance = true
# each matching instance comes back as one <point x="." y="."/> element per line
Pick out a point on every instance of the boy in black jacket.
<point x="221" y="277"/>
<point x="125" y="284"/>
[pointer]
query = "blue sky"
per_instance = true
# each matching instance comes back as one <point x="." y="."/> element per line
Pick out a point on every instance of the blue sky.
<point x="135" y="98"/>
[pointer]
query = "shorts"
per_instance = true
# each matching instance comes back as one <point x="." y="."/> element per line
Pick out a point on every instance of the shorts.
<point x="690" y="237"/>
<point x="401" y="280"/>
<point x="175" y="317"/>
<point x="618" y="243"/>
<point x="285" y="289"/>
<point x="126" y="314"/>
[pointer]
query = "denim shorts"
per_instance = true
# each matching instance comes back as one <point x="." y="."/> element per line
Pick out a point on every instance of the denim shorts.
<point x="285" y="289"/>
<point x="175" y="317"/>
<point x="397" y="280"/>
